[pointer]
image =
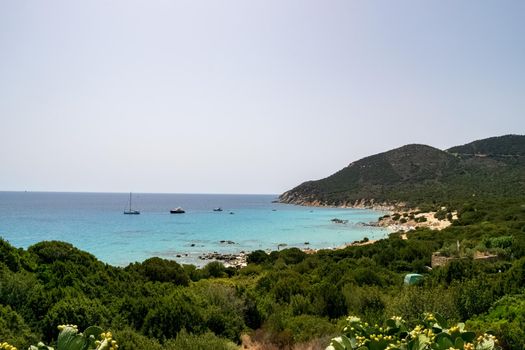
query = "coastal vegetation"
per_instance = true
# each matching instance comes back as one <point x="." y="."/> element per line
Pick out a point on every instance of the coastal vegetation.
<point x="290" y="299"/>
<point x="280" y="299"/>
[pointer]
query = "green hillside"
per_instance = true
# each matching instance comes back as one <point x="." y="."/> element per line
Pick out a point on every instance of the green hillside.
<point x="420" y="174"/>
<point x="508" y="145"/>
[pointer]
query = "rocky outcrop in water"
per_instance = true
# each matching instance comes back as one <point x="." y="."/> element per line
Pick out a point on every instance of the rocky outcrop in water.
<point x="229" y="260"/>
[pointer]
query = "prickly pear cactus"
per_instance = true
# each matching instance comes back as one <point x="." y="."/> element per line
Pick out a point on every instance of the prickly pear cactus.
<point x="40" y="346"/>
<point x="432" y="334"/>
<point x="69" y="338"/>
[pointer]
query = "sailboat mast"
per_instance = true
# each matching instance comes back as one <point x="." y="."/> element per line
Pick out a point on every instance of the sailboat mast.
<point x="130" y="201"/>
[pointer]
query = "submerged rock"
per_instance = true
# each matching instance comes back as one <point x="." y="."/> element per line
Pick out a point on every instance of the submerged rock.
<point x="227" y="242"/>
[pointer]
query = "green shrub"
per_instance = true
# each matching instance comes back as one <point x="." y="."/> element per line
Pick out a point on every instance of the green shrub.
<point x="214" y="269"/>
<point x="78" y="310"/>
<point x="308" y="327"/>
<point x="129" y="339"/>
<point x="410" y="302"/>
<point x="9" y="256"/>
<point x="14" y="329"/>
<point x="257" y="257"/>
<point x="251" y="270"/>
<point x="50" y="251"/>
<point x="506" y="319"/>
<point x="23" y="292"/>
<point x="162" y="270"/>
<point x="171" y="314"/>
<point x="475" y="297"/>
<point x="498" y="242"/>
<point x="441" y="214"/>
<point x="292" y="256"/>
<point x="368" y="302"/>
<point x="222" y="310"/>
<point x="205" y="341"/>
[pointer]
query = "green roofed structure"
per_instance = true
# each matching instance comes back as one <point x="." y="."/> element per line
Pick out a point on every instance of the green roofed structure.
<point x="413" y="278"/>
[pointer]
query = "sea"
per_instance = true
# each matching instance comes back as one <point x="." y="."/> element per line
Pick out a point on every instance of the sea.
<point x="94" y="222"/>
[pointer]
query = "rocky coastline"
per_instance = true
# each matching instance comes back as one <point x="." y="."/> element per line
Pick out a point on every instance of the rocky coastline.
<point x="407" y="218"/>
<point x="294" y="198"/>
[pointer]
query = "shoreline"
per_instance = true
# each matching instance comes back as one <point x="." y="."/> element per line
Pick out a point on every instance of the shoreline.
<point x="239" y="260"/>
<point x="416" y="217"/>
<point x="407" y="220"/>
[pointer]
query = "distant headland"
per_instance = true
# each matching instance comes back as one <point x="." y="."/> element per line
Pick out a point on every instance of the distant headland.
<point x="419" y="175"/>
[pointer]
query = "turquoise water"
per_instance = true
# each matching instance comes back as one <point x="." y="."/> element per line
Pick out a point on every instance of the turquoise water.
<point x="94" y="222"/>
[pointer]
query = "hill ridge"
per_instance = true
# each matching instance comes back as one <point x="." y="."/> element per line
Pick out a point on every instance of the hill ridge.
<point x="416" y="174"/>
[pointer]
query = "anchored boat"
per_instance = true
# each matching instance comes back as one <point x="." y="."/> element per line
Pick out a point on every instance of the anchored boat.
<point x="131" y="211"/>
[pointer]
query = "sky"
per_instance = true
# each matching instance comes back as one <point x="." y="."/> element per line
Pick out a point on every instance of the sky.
<point x="245" y="96"/>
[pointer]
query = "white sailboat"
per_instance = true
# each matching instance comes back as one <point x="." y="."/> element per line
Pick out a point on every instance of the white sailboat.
<point x="131" y="211"/>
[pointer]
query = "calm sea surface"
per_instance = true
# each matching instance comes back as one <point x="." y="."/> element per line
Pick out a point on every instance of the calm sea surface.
<point x="95" y="222"/>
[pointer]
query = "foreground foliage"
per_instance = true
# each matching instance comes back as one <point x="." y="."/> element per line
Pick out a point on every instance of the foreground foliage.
<point x="432" y="333"/>
<point x="93" y="338"/>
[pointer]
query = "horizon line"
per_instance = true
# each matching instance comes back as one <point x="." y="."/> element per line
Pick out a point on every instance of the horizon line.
<point x="122" y="192"/>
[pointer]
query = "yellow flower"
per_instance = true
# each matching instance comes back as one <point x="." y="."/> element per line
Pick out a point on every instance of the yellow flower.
<point x="353" y="319"/>
<point x="454" y="329"/>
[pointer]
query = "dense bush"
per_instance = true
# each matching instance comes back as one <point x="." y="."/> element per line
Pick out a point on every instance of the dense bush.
<point x="14" y="329"/>
<point x="77" y="310"/>
<point x="257" y="257"/>
<point x="171" y="314"/>
<point x="9" y="256"/>
<point x="204" y="341"/>
<point x="506" y="319"/>
<point x="162" y="270"/>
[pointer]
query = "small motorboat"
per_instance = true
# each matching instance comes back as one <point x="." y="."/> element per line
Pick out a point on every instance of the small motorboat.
<point x="177" y="210"/>
<point x="217" y="209"/>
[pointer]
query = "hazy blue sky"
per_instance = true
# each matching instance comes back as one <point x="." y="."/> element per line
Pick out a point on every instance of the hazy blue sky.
<point x="245" y="96"/>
